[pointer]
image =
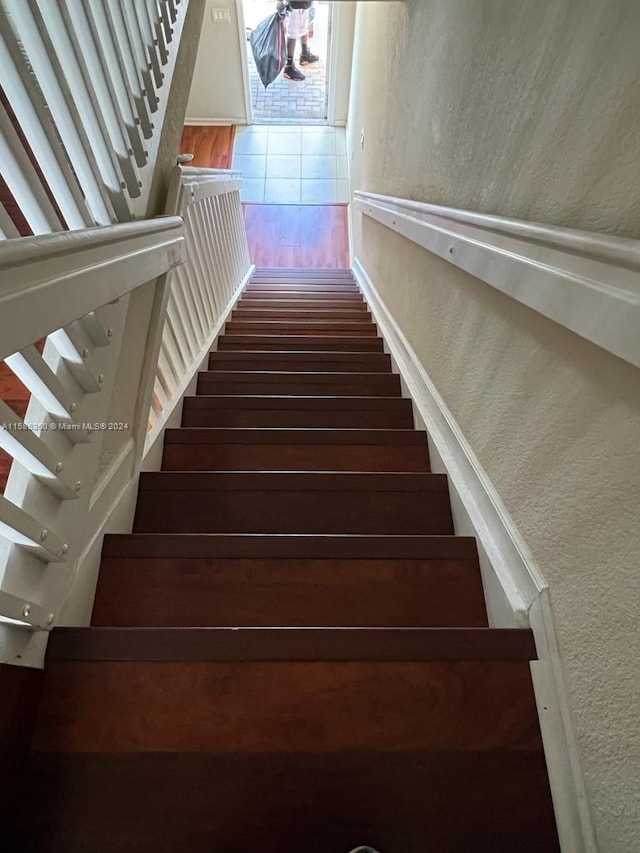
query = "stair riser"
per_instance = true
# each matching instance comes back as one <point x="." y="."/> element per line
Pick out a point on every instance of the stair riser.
<point x="268" y="511"/>
<point x="266" y="457"/>
<point x="282" y="287"/>
<point x="338" y="363"/>
<point x="291" y="343"/>
<point x="309" y="300"/>
<point x="287" y="707"/>
<point x="298" y="314"/>
<point x="265" y="592"/>
<point x="311" y="328"/>
<point x="348" y="385"/>
<point x="292" y="419"/>
<point x="409" y="802"/>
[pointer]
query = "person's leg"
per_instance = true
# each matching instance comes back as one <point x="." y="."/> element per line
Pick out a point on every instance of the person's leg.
<point x="293" y="32"/>
<point x="306" y="57"/>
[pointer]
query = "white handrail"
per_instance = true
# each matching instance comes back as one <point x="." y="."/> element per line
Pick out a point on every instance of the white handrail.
<point x="587" y="282"/>
<point x="48" y="281"/>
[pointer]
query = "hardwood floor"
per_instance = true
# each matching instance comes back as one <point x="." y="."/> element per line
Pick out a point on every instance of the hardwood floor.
<point x="298" y="236"/>
<point x="212" y="147"/>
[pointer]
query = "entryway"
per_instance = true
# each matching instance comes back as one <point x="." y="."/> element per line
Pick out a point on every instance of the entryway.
<point x="289" y="101"/>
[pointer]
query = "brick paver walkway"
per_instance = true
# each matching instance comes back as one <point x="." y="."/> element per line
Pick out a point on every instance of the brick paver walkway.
<point x="290" y="100"/>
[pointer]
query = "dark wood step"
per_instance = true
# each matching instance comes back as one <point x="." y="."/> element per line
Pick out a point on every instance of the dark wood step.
<point x="288" y="313"/>
<point x="287" y="690"/>
<point x="292" y="645"/>
<point x="301" y="300"/>
<point x="298" y="412"/>
<point x="193" y="586"/>
<point x="20" y="688"/>
<point x="307" y="327"/>
<point x="294" y="272"/>
<point x="321" y="503"/>
<point x="294" y="287"/>
<point x="229" y="546"/>
<point x="314" y="362"/>
<point x="410" y="802"/>
<point x="303" y="343"/>
<point x="299" y="384"/>
<point x="192" y="449"/>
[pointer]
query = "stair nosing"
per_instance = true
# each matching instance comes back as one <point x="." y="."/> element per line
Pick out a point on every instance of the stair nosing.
<point x="287" y="644"/>
<point x="295" y="435"/>
<point x="293" y="546"/>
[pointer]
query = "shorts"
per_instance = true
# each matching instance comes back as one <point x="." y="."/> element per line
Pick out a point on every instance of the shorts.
<point x="297" y="23"/>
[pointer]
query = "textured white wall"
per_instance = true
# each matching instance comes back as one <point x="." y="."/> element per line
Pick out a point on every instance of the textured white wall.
<point x="525" y="109"/>
<point x="217" y="91"/>
<point x="555" y="422"/>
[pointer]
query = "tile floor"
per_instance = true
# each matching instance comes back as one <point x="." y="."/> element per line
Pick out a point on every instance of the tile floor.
<point x="292" y="164"/>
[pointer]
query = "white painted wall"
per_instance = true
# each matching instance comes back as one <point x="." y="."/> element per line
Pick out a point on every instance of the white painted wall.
<point x="217" y="90"/>
<point x="525" y="110"/>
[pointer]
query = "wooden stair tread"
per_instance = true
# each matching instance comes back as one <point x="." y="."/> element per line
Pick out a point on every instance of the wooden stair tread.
<point x="292" y="482"/>
<point x="298" y="343"/>
<point x="280" y="401"/>
<point x="298" y="411"/>
<point x="291" y="644"/>
<point x="284" y="361"/>
<point x="302" y="383"/>
<point x="212" y="545"/>
<point x="212" y="435"/>
<point x="407" y="801"/>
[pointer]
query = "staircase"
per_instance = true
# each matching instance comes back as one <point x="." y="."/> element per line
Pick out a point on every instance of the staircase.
<point x="291" y="651"/>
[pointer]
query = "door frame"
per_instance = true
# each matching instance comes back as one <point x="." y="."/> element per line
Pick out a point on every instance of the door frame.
<point x="246" y="83"/>
<point x="333" y="43"/>
<point x="332" y="65"/>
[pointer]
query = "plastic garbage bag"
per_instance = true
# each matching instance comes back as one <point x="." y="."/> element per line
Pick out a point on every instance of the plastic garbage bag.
<point x="269" y="45"/>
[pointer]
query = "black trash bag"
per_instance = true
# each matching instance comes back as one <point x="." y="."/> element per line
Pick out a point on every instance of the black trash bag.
<point x="269" y="45"/>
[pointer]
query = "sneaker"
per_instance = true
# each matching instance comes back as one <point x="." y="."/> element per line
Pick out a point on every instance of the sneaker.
<point x="307" y="58"/>
<point x="293" y="73"/>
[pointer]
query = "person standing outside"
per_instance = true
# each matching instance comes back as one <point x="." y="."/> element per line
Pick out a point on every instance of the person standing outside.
<point x="297" y="27"/>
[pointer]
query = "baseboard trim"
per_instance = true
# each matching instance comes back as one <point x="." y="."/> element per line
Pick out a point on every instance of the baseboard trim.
<point x="508" y="569"/>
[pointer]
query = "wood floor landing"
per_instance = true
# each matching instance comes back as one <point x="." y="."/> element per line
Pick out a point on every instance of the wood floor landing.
<point x="298" y="236"/>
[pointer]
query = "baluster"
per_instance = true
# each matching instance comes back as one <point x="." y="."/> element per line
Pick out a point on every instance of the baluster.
<point x="22" y="529"/>
<point x="25" y="611"/>
<point x="23" y="180"/>
<point x="218" y="291"/>
<point x="64" y="82"/>
<point x="200" y="244"/>
<point x="140" y="49"/>
<point x="29" y="109"/>
<point x="141" y="11"/>
<point x="179" y="330"/>
<point x="25" y="446"/>
<point x="110" y="75"/>
<point x="122" y="40"/>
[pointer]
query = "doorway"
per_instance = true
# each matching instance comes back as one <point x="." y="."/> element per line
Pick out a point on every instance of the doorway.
<point x="288" y="101"/>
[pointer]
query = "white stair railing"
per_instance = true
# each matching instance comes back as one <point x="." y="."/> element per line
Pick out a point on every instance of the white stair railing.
<point x="83" y="92"/>
<point x="84" y="87"/>
<point x="199" y="293"/>
<point x="72" y="289"/>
